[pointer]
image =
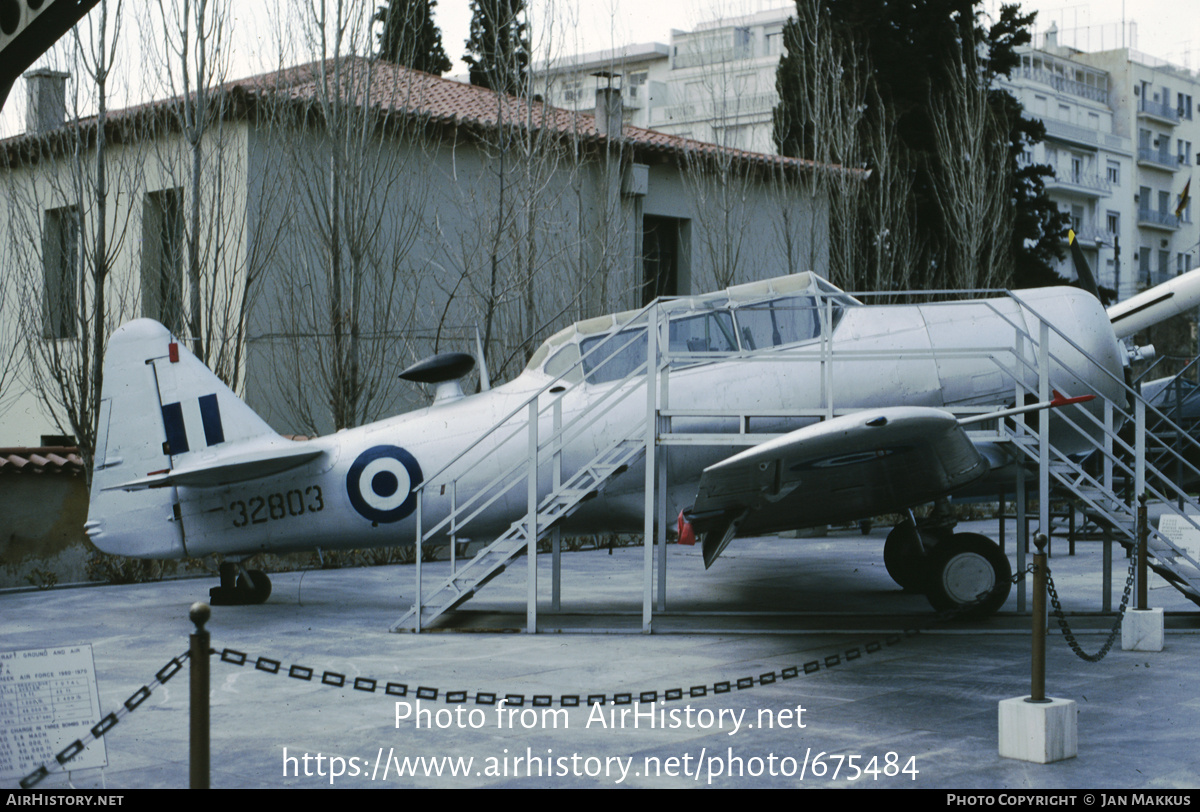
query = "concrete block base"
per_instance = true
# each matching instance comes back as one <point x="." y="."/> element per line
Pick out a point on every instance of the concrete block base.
<point x="1043" y="732"/>
<point x="1142" y="630"/>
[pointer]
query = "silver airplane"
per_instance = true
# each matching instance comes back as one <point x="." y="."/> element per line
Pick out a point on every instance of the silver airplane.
<point x="867" y="410"/>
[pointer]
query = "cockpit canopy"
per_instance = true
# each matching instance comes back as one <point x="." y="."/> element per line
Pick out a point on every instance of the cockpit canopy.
<point x="784" y="311"/>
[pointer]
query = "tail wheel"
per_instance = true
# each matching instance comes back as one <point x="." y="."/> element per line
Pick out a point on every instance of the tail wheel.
<point x="968" y="574"/>
<point x="249" y="587"/>
<point x="256" y="584"/>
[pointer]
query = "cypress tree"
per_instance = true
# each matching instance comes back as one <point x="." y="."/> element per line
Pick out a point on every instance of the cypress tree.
<point x="409" y="36"/>
<point x="498" y="48"/>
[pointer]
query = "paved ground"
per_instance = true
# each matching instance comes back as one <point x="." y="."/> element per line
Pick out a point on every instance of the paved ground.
<point x="905" y="711"/>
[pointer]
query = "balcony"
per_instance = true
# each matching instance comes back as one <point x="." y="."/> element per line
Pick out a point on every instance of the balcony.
<point x="1158" y="111"/>
<point x="741" y="109"/>
<point x="1157" y="159"/>
<point x="1164" y="221"/>
<point x="1080" y="183"/>
<point x="1065" y="85"/>
<point x="1093" y="235"/>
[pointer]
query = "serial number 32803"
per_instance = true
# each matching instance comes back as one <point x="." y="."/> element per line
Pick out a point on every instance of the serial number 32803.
<point x="260" y="509"/>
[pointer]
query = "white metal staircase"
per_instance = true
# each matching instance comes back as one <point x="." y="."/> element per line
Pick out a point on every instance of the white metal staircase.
<point x="567" y="490"/>
<point x="1116" y="461"/>
<point x="492" y="560"/>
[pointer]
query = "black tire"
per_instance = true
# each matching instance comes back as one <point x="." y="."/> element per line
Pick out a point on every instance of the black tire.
<point x="969" y="575"/>
<point x="904" y="558"/>
<point x="258" y="589"/>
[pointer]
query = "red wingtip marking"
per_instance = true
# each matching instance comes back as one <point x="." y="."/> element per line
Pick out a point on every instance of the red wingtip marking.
<point x="686" y="534"/>
<point x="173" y="352"/>
<point x="1061" y="400"/>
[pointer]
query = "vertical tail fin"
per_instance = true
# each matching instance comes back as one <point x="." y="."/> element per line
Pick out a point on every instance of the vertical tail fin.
<point x="161" y="410"/>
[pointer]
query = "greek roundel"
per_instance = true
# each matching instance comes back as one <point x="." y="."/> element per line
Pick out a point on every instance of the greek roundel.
<point x="382" y="483"/>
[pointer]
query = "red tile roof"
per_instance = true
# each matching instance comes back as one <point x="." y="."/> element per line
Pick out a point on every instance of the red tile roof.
<point x="42" y="460"/>
<point x="446" y="101"/>
<point x="441" y="101"/>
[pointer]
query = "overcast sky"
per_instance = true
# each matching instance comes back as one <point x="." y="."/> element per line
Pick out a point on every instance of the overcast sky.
<point x="1168" y="29"/>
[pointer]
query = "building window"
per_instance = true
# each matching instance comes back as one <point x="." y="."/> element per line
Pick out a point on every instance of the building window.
<point x="1114" y="173"/>
<point x="773" y="43"/>
<point x="60" y="273"/>
<point x="162" y="258"/>
<point x="1184" y="106"/>
<point x="743" y="43"/>
<point x="1077" y="218"/>
<point x="1185" y="152"/>
<point x="1113" y="222"/>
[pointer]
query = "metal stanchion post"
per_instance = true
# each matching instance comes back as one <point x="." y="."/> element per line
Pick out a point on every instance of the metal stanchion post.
<point x="1037" y="687"/>
<point x="199" y="769"/>
<point x="1036" y="727"/>
<point x="1143" y="530"/>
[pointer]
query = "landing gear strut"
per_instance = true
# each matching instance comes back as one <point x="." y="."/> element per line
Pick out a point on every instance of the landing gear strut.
<point x="240" y="586"/>
<point x="905" y="555"/>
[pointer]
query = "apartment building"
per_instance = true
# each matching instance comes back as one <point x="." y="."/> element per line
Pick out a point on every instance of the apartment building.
<point x="1154" y="105"/>
<point x="714" y="84"/>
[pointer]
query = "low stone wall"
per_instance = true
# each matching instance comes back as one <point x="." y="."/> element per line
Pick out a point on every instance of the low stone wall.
<point x="42" y="542"/>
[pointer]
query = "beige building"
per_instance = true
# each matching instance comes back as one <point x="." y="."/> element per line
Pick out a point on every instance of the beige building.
<point x="315" y="241"/>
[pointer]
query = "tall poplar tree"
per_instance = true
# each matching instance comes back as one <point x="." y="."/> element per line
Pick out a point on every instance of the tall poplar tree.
<point x="498" y="48"/>
<point x="913" y="53"/>
<point x="409" y="36"/>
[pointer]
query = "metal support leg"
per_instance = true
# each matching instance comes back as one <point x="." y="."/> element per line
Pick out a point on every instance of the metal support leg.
<point x="531" y="529"/>
<point x="651" y="438"/>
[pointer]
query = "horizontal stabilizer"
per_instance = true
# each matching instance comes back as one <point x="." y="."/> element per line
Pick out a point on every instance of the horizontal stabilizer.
<point x="233" y="468"/>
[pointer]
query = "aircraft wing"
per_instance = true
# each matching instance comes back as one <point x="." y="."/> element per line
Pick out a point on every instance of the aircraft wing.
<point x="863" y="464"/>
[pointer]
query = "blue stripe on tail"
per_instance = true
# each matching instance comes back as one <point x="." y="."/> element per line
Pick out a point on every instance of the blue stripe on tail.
<point x="172" y="414"/>
<point x="210" y="415"/>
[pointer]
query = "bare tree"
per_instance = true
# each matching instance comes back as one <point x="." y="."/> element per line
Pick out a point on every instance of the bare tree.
<point x="65" y="235"/>
<point x="524" y="192"/>
<point x="11" y="344"/>
<point x="198" y="236"/>
<point x="346" y="283"/>
<point x="971" y="145"/>
<point x="830" y="112"/>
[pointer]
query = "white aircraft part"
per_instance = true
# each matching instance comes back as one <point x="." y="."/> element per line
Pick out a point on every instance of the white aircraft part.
<point x="851" y="466"/>
<point x="1172" y="298"/>
<point x="212" y="477"/>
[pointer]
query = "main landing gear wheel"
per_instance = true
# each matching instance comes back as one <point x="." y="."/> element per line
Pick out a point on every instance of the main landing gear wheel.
<point x="968" y="574"/>
<point x="905" y="556"/>
<point x="240" y="587"/>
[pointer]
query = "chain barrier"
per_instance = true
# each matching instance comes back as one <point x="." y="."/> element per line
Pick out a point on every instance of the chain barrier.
<point x="106" y="724"/>
<point x="335" y="679"/>
<point x="370" y="685"/>
<point x="1116" y="629"/>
